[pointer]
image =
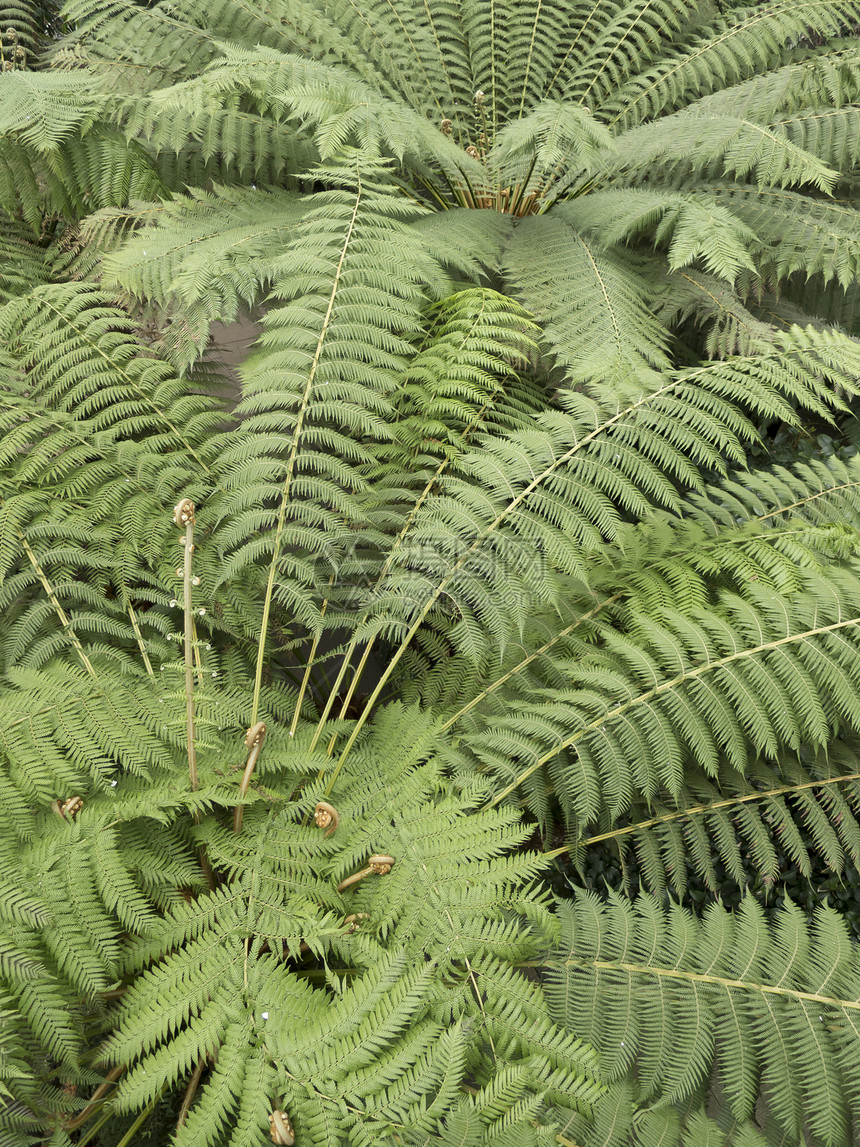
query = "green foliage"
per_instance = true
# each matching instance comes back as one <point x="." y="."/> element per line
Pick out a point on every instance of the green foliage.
<point x="774" y="1008"/>
<point x="489" y="555"/>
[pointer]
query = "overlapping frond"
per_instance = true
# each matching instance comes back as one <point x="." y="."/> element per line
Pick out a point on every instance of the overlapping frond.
<point x="203" y="256"/>
<point x="795" y="234"/>
<point x="343" y="111"/>
<point x="686" y="144"/>
<point x="530" y="505"/>
<point x="613" y="41"/>
<point x="318" y="394"/>
<point x="452" y="552"/>
<point x="384" y="1044"/>
<point x="766" y="674"/>
<point x="772" y="1011"/>
<point x="736" y="46"/>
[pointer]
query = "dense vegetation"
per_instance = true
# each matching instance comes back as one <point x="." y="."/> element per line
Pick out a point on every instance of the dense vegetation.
<point x="492" y="562"/>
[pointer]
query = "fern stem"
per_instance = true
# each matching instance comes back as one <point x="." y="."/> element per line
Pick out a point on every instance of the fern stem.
<point x="294" y="450"/>
<point x="184" y="515"/>
<point x="139" y="637"/>
<point x="94" y="1130"/>
<point x="190" y="1092"/>
<point x="529" y="57"/>
<point x="332" y="696"/>
<point x="353" y="645"/>
<point x="254" y="742"/>
<point x="665" y="687"/>
<point x="96" y="1100"/>
<point x="398" y="542"/>
<point x="383" y="681"/>
<point x="520" y="193"/>
<point x="700" y="809"/>
<point x="307" y="673"/>
<point x="353" y="685"/>
<point x="703" y="978"/>
<point x="58" y="609"/>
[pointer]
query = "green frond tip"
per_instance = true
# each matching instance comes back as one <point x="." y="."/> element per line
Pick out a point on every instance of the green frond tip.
<point x="42" y="109"/>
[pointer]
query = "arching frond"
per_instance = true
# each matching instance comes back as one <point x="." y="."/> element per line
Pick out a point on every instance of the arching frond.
<point x="745" y="826"/>
<point x="202" y="256"/>
<point x="593" y="303"/>
<point x="736" y="46"/>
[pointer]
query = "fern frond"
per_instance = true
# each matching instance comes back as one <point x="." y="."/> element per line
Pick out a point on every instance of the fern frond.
<point x="736" y="46"/>
<point x="593" y="303"/>
<point x="43" y="109"/>
<point x="532" y="149"/>
<point x="687" y="144"/>
<point x="814" y="238"/>
<point x="769" y="689"/>
<point x="22" y="262"/>
<point x="552" y="492"/>
<point x="344" y="112"/>
<point x="797" y="811"/>
<point x="202" y="256"/>
<point x="817" y="81"/>
<point x="611" y="43"/>
<point x="770" y="1010"/>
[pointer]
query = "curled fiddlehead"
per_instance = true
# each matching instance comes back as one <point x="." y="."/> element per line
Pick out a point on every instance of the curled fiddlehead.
<point x="326" y="816"/>
<point x="281" y="1129"/>
<point x="377" y="865"/>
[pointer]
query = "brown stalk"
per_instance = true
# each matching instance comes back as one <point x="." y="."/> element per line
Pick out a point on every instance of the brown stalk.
<point x="254" y="739"/>
<point x="376" y="866"/>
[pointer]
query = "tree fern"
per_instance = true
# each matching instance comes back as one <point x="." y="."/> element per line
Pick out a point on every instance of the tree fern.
<point x="488" y="558"/>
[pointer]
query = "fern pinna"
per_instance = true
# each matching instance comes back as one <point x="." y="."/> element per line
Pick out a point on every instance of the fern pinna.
<point x="488" y="565"/>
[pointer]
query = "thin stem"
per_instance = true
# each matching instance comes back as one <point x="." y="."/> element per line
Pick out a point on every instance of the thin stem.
<point x="190" y="1092"/>
<point x="332" y="695"/>
<point x="520" y="190"/>
<point x="291" y="462"/>
<point x="307" y="673"/>
<point x="89" y="1135"/>
<point x="139" y="637"/>
<point x="256" y="736"/>
<point x="189" y="648"/>
<point x="58" y="609"/>
<point x="398" y="541"/>
<point x="697" y="810"/>
<point x="658" y="690"/>
<point x="383" y="681"/>
<point x="96" y="1097"/>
